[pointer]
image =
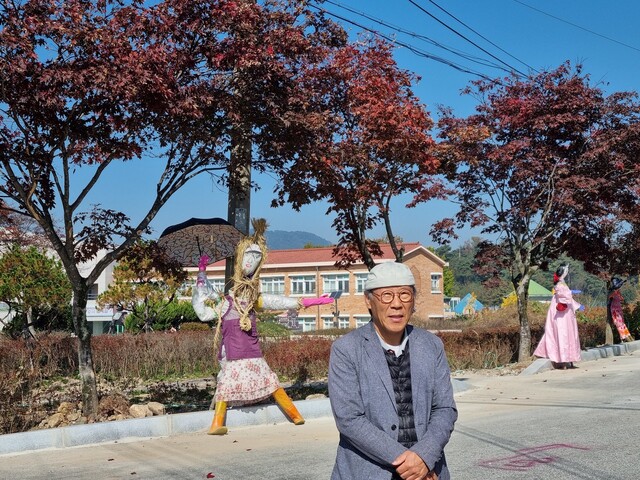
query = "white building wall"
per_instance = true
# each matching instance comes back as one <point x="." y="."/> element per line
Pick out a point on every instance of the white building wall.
<point x="98" y="319"/>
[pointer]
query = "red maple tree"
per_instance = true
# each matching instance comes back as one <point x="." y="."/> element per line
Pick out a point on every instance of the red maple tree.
<point x="527" y="170"/>
<point x="377" y="147"/>
<point x="609" y="246"/>
<point x="86" y="84"/>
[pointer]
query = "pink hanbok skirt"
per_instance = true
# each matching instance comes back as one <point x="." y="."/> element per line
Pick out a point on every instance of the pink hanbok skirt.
<point x="560" y="342"/>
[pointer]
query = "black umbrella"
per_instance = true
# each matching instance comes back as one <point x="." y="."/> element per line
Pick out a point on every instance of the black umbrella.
<point x="186" y="242"/>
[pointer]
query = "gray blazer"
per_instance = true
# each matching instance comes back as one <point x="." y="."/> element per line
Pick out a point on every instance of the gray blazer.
<point x="364" y="408"/>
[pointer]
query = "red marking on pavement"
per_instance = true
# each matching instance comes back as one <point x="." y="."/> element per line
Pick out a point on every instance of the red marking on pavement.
<point x="527" y="458"/>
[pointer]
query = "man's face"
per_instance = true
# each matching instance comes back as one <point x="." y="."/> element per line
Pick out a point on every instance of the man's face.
<point x="390" y="319"/>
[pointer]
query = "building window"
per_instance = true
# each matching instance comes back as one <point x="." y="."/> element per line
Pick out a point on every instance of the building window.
<point x="93" y="292"/>
<point x="453" y="302"/>
<point x="436" y="278"/>
<point x="273" y="285"/>
<point x="217" y="284"/>
<point x="361" y="278"/>
<point x="336" y="283"/>
<point x="303" y="285"/>
<point x="329" y="322"/>
<point x="362" y="320"/>
<point x="307" y="323"/>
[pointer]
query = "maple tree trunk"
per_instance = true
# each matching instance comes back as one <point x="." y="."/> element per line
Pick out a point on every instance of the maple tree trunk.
<point x="524" y="350"/>
<point x="608" y="335"/>
<point x="85" y="357"/>
<point x="608" y="331"/>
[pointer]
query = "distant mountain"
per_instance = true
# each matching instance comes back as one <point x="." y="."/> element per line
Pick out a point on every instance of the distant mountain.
<point x="282" y="240"/>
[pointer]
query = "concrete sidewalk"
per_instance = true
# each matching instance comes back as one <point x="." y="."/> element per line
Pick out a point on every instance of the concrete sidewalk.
<point x="168" y="425"/>
<point x="542" y="364"/>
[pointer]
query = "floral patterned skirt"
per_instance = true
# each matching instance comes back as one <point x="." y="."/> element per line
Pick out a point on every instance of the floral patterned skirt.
<point x="245" y="381"/>
<point x="618" y="321"/>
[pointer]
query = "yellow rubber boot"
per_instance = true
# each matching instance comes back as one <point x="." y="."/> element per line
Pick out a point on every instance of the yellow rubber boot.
<point x="217" y="426"/>
<point x="287" y="405"/>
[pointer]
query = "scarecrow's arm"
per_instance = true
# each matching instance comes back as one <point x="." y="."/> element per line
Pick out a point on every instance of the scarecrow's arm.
<point x="207" y="301"/>
<point x="267" y="301"/>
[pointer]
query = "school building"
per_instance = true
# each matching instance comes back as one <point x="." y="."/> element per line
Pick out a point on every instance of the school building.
<point x="310" y="272"/>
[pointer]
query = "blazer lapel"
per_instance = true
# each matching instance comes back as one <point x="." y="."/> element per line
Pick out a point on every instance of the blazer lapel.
<point x="378" y="362"/>
<point x="419" y="376"/>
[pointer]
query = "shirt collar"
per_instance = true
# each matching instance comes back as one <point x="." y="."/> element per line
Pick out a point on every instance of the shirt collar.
<point x="396" y="349"/>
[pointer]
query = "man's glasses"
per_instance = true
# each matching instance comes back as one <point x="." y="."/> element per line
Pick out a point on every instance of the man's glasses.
<point x="387" y="297"/>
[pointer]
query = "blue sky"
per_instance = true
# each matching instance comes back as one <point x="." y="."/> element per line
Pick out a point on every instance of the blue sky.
<point x="602" y="35"/>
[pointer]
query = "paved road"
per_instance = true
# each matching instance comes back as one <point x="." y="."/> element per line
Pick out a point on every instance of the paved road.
<point x="572" y="424"/>
<point x="559" y="424"/>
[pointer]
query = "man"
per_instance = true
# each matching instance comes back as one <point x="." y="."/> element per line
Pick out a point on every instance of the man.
<point x="390" y="389"/>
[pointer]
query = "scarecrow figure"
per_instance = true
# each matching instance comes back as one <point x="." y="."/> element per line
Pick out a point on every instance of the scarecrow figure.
<point x="614" y="304"/>
<point x="244" y="376"/>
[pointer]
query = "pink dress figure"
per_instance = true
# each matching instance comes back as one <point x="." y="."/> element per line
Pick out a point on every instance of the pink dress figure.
<point x="615" y="308"/>
<point x="560" y="342"/>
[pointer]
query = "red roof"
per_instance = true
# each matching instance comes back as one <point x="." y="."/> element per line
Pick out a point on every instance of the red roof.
<point x="319" y="255"/>
<point x="323" y="255"/>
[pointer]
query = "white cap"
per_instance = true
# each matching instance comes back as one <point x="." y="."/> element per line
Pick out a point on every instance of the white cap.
<point x="389" y="274"/>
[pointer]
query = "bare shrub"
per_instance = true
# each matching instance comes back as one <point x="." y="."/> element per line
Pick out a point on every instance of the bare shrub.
<point x="299" y="359"/>
<point x="23" y="366"/>
<point x="154" y="355"/>
<point x="194" y="326"/>
<point x="36" y="376"/>
<point x="492" y="339"/>
<point x="481" y="348"/>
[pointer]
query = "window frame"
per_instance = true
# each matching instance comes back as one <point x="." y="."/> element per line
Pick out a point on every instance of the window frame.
<point x="360" y="279"/>
<point x="305" y="279"/>
<point x="336" y="281"/>
<point x="279" y="280"/>
<point x="438" y="277"/>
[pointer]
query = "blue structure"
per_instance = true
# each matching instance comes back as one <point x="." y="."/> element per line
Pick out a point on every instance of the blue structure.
<point x="468" y="305"/>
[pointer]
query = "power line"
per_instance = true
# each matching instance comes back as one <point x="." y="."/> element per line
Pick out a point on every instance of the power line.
<point x="418" y="36"/>
<point x="578" y="26"/>
<point x="415" y="50"/>
<point x="513" y="69"/>
<point x="482" y="36"/>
